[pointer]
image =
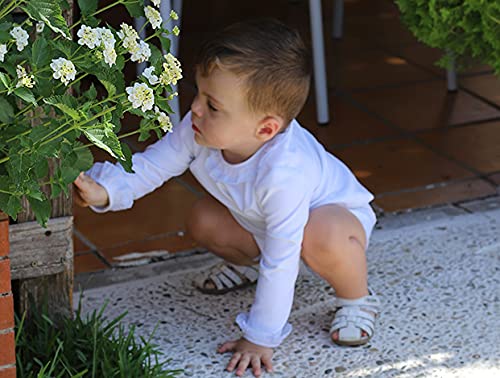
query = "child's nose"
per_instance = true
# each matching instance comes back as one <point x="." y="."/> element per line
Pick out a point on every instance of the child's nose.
<point x="195" y="107"/>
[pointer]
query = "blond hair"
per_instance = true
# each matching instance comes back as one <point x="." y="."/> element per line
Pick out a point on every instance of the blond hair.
<point x="272" y="59"/>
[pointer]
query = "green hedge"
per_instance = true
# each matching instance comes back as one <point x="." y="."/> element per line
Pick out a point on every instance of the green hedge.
<point x="465" y="28"/>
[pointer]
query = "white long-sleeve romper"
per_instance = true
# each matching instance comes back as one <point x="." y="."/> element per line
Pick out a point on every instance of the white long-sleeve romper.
<point x="270" y="195"/>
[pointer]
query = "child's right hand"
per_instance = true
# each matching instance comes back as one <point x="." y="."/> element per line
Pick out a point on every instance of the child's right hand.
<point x="89" y="193"/>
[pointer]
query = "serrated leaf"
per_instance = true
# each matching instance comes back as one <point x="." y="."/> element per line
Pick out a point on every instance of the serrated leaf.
<point x="91" y="93"/>
<point x="103" y="137"/>
<point x="64" y="107"/>
<point x="84" y="160"/>
<point x="50" y="12"/>
<point x="110" y="87"/>
<point x="6" y="111"/>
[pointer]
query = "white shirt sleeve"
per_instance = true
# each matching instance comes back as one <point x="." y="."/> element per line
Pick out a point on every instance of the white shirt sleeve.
<point x="168" y="157"/>
<point x="285" y="204"/>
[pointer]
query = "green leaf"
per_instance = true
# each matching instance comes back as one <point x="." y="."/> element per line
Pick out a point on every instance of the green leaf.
<point x="102" y="136"/>
<point x="135" y="7"/>
<point x="41" y="209"/>
<point x="127" y="162"/>
<point x="87" y="7"/>
<point x="67" y="104"/>
<point x="91" y="93"/>
<point x="25" y="94"/>
<point x="50" y="12"/>
<point x="40" y="52"/>
<point x="84" y="160"/>
<point x="110" y="87"/>
<point x="6" y="111"/>
<point x="13" y="206"/>
<point x="4" y="79"/>
<point x="41" y="168"/>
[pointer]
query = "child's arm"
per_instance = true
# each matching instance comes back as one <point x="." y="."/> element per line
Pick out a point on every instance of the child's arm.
<point x="285" y="205"/>
<point x="168" y="157"/>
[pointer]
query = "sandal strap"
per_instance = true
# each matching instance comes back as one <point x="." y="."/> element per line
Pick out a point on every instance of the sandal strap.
<point x="354" y="316"/>
<point x="226" y="276"/>
<point x="350" y="321"/>
<point x="251" y="272"/>
<point x="369" y="302"/>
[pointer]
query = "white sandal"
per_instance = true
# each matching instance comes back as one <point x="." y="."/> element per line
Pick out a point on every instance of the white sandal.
<point x="224" y="277"/>
<point x="353" y="317"/>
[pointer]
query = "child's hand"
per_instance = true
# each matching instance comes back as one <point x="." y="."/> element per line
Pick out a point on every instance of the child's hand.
<point x="89" y="193"/>
<point x="247" y="354"/>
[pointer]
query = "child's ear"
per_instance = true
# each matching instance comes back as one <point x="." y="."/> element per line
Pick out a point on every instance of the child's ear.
<point x="269" y="127"/>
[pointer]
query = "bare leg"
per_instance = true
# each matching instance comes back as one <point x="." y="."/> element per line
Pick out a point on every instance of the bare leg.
<point x="334" y="247"/>
<point x="212" y="226"/>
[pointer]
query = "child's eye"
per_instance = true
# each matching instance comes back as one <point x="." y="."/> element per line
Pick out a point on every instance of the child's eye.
<point x="211" y="107"/>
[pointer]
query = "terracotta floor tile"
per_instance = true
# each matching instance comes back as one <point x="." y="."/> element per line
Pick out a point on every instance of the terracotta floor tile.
<point x="398" y="164"/>
<point x="486" y="86"/>
<point x="382" y="25"/>
<point x="364" y="68"/>
<point x="171" y="243"/>
<point x="425" y="56"/>
<point x="78" y="245"/>
<point x="162" y="211"/>
<point x="348" y="124"/>
<point x="478" y="146"/>
<point x="425" y="106"/>
<point x="450" y="193"/>
<point x="88" y="263"/>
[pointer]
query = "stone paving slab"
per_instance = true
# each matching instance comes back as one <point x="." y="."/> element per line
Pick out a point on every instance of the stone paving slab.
<point x="438" y="280"/>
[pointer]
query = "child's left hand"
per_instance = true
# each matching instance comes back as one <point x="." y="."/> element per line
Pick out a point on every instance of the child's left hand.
<point x="247" y="354"/>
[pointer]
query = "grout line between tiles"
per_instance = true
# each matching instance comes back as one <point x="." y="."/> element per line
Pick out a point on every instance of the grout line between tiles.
<point x="410" y="135"/>
<point x="93" y="247"/>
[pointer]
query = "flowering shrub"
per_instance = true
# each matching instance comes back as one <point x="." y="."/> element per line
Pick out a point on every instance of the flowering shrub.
<point x="44" y="110"/>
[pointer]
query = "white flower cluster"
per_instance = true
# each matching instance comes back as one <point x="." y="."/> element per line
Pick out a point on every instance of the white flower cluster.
<point x="63" y="69"/>
<point x="140" y="95"/>
<point x="25" y="80"/>
<point x="3" y="51"/>
<point x="139" y="51"/>
<point x="99" y="37"/>
<point x="172" y="71"/>
<point x="153" y="16"/>
<point x="148" y="73"/>
<point x="21" y="36"/>
<point x="163" y="120"/>
<point x="40" y="26"/>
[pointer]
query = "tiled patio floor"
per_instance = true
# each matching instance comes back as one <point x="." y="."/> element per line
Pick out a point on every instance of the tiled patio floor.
<point x="409" y="140"/>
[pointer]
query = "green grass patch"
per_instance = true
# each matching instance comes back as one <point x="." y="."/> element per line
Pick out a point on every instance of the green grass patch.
<point x="85" y="347"/>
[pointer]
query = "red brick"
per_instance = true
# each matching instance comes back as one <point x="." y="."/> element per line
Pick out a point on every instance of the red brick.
<point x="8" y="355"/>
<point x="4" y="276"/>
<point x="6" y="312"/>
<point x="8" y="372"/>
<point x="4" y="238"/>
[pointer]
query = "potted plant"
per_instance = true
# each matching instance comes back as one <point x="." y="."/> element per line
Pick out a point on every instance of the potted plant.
<point x="62" y="89"/>
<point x="461" y="29"/>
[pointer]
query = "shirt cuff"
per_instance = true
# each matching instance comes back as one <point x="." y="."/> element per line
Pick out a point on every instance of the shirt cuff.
<point x="110" y="178"/>
<point x="262" y="338"/>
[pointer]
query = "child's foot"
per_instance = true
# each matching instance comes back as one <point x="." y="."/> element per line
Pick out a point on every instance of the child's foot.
<point x="354" y="321"/>
<point x="225" y="277"/>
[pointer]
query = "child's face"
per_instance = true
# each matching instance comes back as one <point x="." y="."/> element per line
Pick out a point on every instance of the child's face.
<point x="221" y="117"/>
